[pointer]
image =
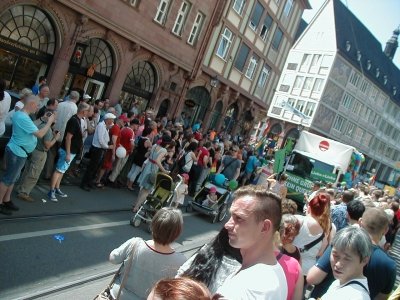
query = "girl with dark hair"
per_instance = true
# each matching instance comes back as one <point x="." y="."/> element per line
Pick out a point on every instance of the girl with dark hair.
<point x="143" y="145"/>
<point x="213" y="263"/>
<point x="5" y="102"/>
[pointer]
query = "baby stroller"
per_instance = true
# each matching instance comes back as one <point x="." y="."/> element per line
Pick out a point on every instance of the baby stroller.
<point x="217" y="211"/>
<point x="161" y="196"/>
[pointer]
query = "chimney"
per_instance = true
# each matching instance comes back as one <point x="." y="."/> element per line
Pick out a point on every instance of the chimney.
<point x="392" y="44"/>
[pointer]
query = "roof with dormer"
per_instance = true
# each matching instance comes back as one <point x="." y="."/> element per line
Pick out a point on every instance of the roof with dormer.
<point x="354" y="39"/>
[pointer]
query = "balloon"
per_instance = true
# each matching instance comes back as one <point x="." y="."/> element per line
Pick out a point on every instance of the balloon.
<point x="120" y="152"/>
<point x="219" y="179"/>
<point x="233" y="184"/>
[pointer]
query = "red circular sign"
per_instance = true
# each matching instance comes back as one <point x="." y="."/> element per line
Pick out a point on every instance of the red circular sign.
<point x="324" y="145"/>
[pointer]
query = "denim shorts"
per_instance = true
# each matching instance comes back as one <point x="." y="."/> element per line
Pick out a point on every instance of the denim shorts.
<point x="62" y="166"/>
<point x="14" y="165"/>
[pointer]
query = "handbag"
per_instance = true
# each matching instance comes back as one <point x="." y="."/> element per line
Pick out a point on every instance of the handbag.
<point x="106" y="293"/>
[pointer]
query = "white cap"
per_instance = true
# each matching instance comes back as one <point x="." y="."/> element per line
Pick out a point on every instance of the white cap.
<point x="19" y="104"/>
<point x="109" y="116"/>
<point x="86" y="97"/>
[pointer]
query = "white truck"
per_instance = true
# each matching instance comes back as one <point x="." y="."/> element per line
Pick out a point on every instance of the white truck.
<point x="315" y="158"/>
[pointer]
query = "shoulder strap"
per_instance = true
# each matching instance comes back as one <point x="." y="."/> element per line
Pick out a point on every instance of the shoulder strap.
<point x="313" y="243"/>
<point x="228" y="164"/>
<point x="279" y="256"/>
<point x="128" y="268"/>
<point x="357" y="283"/>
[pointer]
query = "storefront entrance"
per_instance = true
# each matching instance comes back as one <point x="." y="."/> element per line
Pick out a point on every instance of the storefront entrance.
<point x="90" y="69"/>
<point x="139" y="87"/>
<point x="27" y="44"/>
<point x="197" y="101"/>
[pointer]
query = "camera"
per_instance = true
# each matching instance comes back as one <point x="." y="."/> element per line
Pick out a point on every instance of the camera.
<point x="48" y="114"/>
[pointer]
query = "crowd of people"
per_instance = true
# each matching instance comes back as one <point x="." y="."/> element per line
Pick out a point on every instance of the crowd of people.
<point x="105" y="146"/>
<point x="267" y="250"/>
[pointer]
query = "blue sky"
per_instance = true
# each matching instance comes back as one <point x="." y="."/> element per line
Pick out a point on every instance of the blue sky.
<point x="381" y="17"/>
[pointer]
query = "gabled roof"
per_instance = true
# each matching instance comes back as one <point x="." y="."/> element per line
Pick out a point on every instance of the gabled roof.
<point x="350" y="31"/>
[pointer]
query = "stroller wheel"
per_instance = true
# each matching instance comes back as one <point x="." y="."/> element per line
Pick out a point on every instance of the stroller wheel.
<point x="222" y="213"/>
<point x="135" y="221"/>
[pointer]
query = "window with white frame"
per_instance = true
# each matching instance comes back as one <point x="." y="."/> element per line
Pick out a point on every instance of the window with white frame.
<point x="288" y="8"/>
<point x="277" y="39"/>
<point x="347" y="101"/>
<point x="307" y="84"/>
<point x="356" y="107"/>
<point x="305" y="63"/>
<point x="238" y="6"/>
<point x="367" y="113"/>
<point x="315" y="62"/>
<point x="242" y="57"/>
<point x="317" y="88"/>
<point x="310" y="107"/>
<point x="354" y="79"/>
<point x="300" y="105"/>
<point x="264" y="76"/>
<point x="181" y="18"/>
<point x="196" y="29"/>
<point x="225" y="43"/>
<point x="256" y="16"/>
<point x="162" y="11"/>
<point x="358" y="135"/>
<point x="266" y="27"/>
<point x="291" y="102"/>
<point x="364" y="86"/>
<point x="338" y="124"/>
<point x="251" y="69"/>
<point x="350" y="129"/>
<point x="298" y="83"/>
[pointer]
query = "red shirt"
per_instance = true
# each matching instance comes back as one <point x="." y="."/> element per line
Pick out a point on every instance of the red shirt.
<point x="114" y="131"/>
<point x="203" y="152"/>
<point x="126" y="137"/>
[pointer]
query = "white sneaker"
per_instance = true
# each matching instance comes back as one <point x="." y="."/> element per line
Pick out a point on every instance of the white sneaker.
<point x="52" y="196"/>
<point x="61" y="194"/>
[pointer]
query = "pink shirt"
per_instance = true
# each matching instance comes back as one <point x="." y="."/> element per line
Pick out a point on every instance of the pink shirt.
<point x="292" y="270"/>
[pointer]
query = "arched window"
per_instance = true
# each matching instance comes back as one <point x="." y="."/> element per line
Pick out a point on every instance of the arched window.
<point x="29" y="26"/>
<point x="98" y="54"/>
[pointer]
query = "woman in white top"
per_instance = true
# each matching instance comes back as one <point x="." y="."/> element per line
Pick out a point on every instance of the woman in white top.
<point x="5" y="102"/>
<point x="351" y="249"/>
<point x="315" y="231"/>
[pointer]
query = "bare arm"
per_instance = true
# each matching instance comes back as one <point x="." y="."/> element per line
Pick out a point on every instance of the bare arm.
<point x="41" y="132"/>
<point x="49" y="144"/>
<point x="315" y="275"/>
<point x="298" y="289"/>
<point x="68" y="138"/>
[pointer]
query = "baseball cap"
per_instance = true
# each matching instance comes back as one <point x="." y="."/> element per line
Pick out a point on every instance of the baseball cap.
<point x="86" y="97"/>
<point x="124" y="118"/>
<point x="213" y="189"/>
<point x="109" y="116"/>
<point x="185" y="176"/>
<point x="19" y="104"/>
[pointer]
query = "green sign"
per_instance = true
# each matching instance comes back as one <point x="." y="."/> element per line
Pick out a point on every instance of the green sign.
<point x="323" y="176"/>
<point x="279" y="163"/>
<point x="297" y="186"/>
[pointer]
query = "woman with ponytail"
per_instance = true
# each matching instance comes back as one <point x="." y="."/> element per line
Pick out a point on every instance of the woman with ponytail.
<point x="314" y="231"/>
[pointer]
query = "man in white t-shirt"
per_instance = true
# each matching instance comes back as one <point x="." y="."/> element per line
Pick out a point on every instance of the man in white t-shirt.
<point x="255" y="217"/>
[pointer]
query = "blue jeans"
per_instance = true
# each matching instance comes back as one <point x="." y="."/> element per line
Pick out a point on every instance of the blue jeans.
<point x="14" y="165"/>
